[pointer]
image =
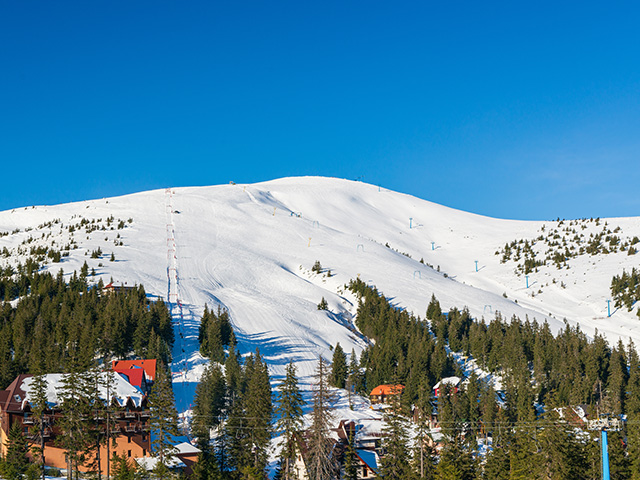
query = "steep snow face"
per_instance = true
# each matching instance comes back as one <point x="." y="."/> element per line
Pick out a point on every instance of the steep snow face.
<point x="250" y="249"/>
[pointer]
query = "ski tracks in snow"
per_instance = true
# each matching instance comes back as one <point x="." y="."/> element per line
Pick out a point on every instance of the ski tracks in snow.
<point x="180" y="354"/>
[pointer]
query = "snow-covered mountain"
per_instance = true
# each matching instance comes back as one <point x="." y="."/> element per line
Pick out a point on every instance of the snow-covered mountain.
<point x="251" y="249"/>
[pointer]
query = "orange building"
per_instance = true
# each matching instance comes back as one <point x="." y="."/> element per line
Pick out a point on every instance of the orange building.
<point x="128" y="411"/>
<point x="381" y="393"/>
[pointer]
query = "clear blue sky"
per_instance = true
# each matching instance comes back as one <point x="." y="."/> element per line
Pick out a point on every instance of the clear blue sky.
<point x="508" y="109"/>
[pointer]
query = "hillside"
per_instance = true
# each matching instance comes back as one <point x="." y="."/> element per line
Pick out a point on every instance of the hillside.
<point x="251" y="248"/>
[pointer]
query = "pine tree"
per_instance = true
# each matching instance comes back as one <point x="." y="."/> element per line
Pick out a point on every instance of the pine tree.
<point x="354" y="377"/>
<point x="259" y="409"/>
<point x="423" y="454"/>
<point x="17" y="448"/>
<point x="289" y="412"/>
<point x="456" y="462"/>
<point x="338" y="367"/>
<point x="39" y="410"/>
<point x="496" y="466"/>
<point x="633" y="411"/>
<point x="395" y="465"/>
<point x="163" y="421"/>
<point x="123" y="468"/>
<point x="350" y="459"/>
<point x="321" y="464"/>
<point x="209" y="405"/>
<point x="561" y="454"/>
<point x="76" y="399"/>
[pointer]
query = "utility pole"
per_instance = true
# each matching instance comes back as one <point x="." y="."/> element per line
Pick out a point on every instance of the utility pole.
<point x="605" y="424"/>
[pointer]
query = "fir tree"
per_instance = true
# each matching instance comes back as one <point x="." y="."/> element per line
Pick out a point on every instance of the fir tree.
<point x="209" y="405"/>
<point x="394" y="464"/>
<point x="289" y="412"/>
<point x="423" y="455"/>
<point x="354" y="377"/>
<point x="456" y="462"/>
<point x="39" y="410"/>
<point x="17" y="448"/>
<point x="123" y="468"/>
<point x="323" y="305"/>
<point x="338" y="367"/>
<point x="163" y="421"/>
<point x="350" y="458"/>
<point x="496" y="466"/>
<point x="259" y="409"/>
<point x="321" y="463"/>
<point x="76" y="403"/>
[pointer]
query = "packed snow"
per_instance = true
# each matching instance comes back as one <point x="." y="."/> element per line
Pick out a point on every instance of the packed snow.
<point x="251" y="248"/>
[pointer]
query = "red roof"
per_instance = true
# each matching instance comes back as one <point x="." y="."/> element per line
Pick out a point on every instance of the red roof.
<point x="387" y="390"/>
<point x="149" y="367"/>
<point x="134" y="375"/>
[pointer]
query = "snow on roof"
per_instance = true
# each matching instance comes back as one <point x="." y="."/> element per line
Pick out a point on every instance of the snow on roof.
<point x="448" y="381"/>
<point x="185" y="448"/>
<point x="369" y="428"/>
<point x="134" y="376"/>
<point x="149" y="463"/>
<point x="121" y="390"/>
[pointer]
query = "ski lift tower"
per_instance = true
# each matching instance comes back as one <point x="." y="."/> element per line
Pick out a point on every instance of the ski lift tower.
<point x="605" y="424"/>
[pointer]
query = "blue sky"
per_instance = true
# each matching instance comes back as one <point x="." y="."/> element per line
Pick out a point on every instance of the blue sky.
<point x="507" y="109"/>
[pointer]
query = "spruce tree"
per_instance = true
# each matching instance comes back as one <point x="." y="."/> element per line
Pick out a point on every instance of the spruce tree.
<point x="350" y="459"/>
<point x="456" y="462"/>
<point x="496" y="466"/>
<point x="39" y="410"/>
<point x="123" y="468"/>
<point x="209" y="405"/>
<point x="17" y="449"/>
<point x="76" y="405"/>
<point x="395" y="463"/>
<point x="290" y="421"/>
<point x="321" y="463"/>
<point x="423" y="457"/>
<point x="163" y="422"/>
<point x="338" y="367"/>
<point x="259" y="409"/>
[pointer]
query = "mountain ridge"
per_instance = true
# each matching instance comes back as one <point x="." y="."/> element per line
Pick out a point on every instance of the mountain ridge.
<point x="250" y="248"/>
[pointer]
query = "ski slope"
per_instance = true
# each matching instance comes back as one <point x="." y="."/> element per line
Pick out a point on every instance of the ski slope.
<point x="250" y="249"/>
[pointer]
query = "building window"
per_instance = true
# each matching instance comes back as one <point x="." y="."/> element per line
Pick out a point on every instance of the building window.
<point x="129" y="440"/>
<point x="144" y="452"/>
<point x="129" y="453"/>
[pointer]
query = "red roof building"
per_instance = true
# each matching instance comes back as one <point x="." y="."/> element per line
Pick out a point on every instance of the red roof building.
<point x="149" y="367"/>
<point x="135" y="376"/>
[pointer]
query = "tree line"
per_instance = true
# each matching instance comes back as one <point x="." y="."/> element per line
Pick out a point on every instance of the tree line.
<point x="543" y="377"/>
<point x="60" y="322"/>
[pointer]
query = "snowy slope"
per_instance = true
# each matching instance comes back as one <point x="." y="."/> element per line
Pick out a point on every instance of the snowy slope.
<point x="250" y="249"/>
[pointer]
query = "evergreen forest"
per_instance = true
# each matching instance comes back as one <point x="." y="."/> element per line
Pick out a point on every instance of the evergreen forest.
<point x="60" y="323"/>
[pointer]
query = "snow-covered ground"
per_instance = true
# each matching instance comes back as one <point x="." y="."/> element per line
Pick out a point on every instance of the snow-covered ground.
<point x="250" y="249"/>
